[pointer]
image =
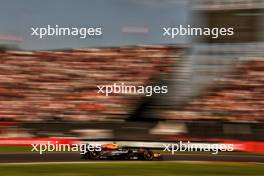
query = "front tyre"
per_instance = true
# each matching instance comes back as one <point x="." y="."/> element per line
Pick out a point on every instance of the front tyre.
<point x="93" y="155"/>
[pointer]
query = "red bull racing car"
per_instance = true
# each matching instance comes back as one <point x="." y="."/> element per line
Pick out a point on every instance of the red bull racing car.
<point x="114" y="151"/>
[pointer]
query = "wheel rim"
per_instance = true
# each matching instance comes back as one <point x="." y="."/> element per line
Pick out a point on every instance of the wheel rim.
<point x="148" y="155"/>
<point x="94" y="155"/>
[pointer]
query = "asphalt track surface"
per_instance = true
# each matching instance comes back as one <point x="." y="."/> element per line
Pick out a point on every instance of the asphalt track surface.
<point x="74" y="157"/>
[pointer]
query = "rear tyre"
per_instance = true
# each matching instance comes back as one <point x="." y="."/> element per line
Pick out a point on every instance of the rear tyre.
<point x="93" y="155"/>
<point x="148" y="155"/>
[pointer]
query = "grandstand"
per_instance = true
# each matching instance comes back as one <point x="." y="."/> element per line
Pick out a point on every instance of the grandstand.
<point x="62" y="85"/>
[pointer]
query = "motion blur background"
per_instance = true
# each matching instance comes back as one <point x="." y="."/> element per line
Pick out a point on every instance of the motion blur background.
<point x="215" y="86"/>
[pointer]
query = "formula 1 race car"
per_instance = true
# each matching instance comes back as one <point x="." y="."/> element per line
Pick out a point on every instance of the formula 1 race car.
<point x="114" y="151"/>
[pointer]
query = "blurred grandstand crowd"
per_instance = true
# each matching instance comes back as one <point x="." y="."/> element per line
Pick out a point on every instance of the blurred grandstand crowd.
<point x="44" y="87"/>
<point x="237" y="97"/>
<point x="62" y="85"/>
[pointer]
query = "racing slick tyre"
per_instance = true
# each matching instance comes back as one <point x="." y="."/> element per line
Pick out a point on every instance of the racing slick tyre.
<point x="93" y="155"/>
<point x="148" y="155"/>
